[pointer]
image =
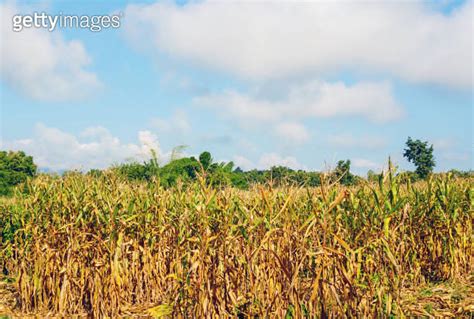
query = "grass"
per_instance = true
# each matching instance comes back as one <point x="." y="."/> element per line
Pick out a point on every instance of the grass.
<point x="107" y="247"/>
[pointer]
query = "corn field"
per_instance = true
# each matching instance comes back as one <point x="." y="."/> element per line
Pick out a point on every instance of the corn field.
<point x="106" y="247"/>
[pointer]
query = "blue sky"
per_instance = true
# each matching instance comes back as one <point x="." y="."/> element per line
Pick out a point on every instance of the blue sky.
<point x="268" y="83"/>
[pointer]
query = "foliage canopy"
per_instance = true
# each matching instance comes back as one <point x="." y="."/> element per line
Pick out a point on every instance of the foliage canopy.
<point x="15" y="168"/>
<point x="421" y="155"/>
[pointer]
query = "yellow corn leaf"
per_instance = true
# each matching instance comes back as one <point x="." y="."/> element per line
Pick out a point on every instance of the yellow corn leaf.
<point x="160" y="311"/>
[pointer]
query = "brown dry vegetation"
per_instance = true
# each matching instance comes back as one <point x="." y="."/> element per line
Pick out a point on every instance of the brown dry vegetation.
<point x="102" y="246"/>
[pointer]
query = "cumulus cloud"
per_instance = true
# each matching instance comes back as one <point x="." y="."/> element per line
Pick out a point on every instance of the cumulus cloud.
<point x="41" y="64"/>
<point x="262" y="40"/>
<point x="241" y="106"/>
<point x="373" y="101"/>
<point x="292" y="132"/>
<point x="95" y="147"/>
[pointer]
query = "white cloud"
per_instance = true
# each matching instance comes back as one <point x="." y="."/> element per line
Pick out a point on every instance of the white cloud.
<point x="373" y="101"/>
<point x="148" y="144"/>
<point x="351" y="141"/>
<point x="178" y="123"/>
<point x="234" y="104"/>
<point x="41" y="64"/>
<point x="95" y="147"/>
<point x="292" y="132"/>
<point x="264" y="40"/>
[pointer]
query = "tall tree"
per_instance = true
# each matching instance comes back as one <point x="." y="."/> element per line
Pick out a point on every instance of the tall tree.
<point x="343" y="173"/>
<point x="421" y="155"/>
<point x="205" y="159"/>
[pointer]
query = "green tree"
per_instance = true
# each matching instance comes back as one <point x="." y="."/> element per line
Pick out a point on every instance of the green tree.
<point x="421" y="155"/>
<point x="343" y="173"/>
<point x="238" y="179"/>
<point x="280" y="174"/>
<point x="373" y="177"/>
<point x="133" y="171"/>
<point x="184" y="169"/>
<point x="15" y="168"/>
<point x="205" y="159"/>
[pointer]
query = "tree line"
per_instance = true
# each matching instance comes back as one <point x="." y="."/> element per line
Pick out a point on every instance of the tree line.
<point x="16" y="167"/>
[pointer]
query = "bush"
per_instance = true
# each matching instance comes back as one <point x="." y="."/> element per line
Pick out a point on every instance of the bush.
<point x="15" y="168"/>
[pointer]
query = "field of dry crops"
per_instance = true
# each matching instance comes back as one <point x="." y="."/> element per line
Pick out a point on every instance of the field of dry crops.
<point x="106" y="247"/>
